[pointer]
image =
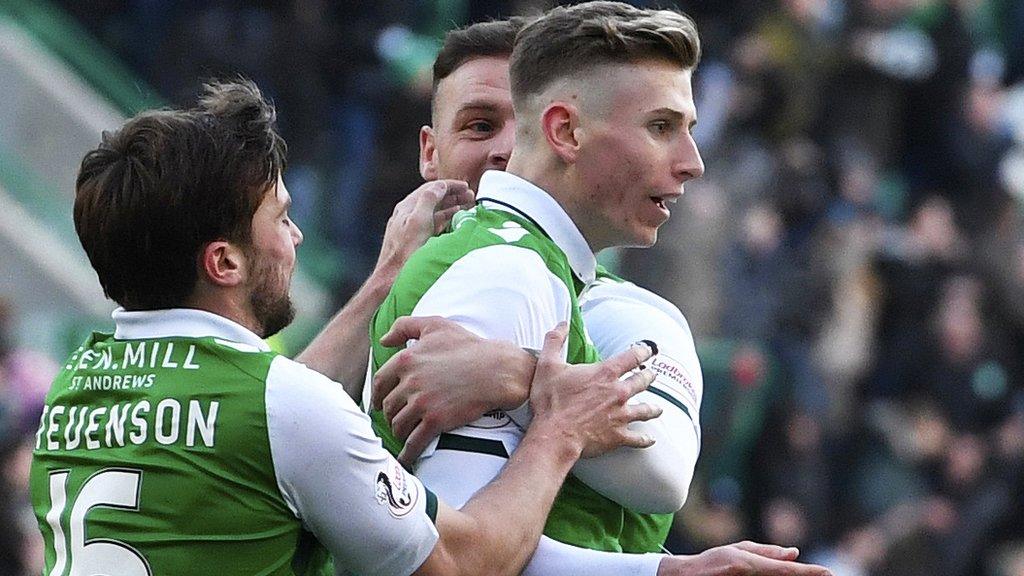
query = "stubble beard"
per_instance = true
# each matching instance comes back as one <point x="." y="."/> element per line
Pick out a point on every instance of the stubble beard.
<point x="271" y="303"/>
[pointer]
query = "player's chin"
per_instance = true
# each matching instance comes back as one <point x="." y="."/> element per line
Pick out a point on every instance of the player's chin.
<point x="636" y="235"/>
<point x="644" y="237"/>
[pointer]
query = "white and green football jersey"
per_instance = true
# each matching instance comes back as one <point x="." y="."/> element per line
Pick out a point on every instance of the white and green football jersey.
<point x="181" y="445"/>
<point x="510" y="270"/>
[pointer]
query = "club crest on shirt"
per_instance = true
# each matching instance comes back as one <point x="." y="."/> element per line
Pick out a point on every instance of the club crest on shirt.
<point x="394" y="490"/>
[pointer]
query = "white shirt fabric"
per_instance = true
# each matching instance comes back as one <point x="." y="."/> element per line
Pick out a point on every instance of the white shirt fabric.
<point x="324" y="453"/>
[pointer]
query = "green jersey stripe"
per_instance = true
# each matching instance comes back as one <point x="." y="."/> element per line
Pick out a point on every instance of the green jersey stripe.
<point x="671" y="400"/>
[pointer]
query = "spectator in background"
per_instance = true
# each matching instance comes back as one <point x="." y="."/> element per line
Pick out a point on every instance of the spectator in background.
<point x="25" y="377"/>
<point x="911" y="269"/>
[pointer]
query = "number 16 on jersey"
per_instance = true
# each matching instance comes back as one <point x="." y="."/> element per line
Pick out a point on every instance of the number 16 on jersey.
<point x="109" y="488"/>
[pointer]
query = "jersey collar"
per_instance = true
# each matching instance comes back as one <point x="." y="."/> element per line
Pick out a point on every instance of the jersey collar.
<point x="510" y="193"/>
<point x="181" y="322"/>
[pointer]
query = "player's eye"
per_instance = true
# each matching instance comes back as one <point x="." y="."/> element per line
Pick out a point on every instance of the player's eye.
<point x="660" y="127"/>
<point x="480" y="127"/>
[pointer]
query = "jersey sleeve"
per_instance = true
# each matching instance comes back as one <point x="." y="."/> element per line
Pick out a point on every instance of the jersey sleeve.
<point x="500" y="292"/>
<point x="553" y="558"/>
<point x="655" y="479"/>
<point x="337" y="478"/>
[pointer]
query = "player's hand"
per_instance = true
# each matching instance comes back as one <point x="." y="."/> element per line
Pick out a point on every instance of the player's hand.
<point x="447" y="379"/>
<point x="420" y="215"/>
<point x="741" y="559"/>
<point x="587" y="403"/>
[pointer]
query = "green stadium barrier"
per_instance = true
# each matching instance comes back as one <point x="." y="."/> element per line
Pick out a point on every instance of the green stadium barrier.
<point x="41" y="199"/>
<point x="67" y="39"/>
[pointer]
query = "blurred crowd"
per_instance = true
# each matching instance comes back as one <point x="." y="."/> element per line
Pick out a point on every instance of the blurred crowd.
<point x="852" y="263"/>
<point x="858" y="236"/>
<point x="25" y="377"/>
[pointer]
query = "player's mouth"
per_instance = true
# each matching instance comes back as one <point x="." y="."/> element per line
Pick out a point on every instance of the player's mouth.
<point x="663" y="202"/>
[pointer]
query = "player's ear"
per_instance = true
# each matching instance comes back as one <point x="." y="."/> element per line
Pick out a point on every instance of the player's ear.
<point x="559" y="122"/>
<point x="222" y="263"/>
<point x="428" y="154"/>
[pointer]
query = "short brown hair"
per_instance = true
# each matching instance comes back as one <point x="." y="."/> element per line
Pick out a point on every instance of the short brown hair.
<point x="493" y="38"/>
<point x="567" y="40"/>
<point x="156" y="191"/>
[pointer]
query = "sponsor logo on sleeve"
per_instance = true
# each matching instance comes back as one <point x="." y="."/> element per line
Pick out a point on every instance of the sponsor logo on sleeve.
<point x="395" y="490"/>
<point x="667" y="370"/>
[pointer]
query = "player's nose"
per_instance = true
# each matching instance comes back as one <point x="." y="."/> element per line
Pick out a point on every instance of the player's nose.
<point x="502" y="149"/>
<point x="689" y="164"/>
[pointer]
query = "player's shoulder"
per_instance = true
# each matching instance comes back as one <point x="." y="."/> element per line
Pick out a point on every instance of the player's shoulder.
<point x="482" y="227"/>
<point x="301" y="401"/>
<point x="614" y="293"/>
<point x="295" y="374"/>
<point x="306" y="386"/>
<point x="472" y="230"/>
<point x="494" y="241"/>
<point x="220" y="355"/>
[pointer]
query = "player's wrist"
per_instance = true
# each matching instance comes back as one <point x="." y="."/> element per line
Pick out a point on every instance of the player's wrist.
<point x="551" y="432"/>
<point x="381" y="279"/>
<point x="669" y="565"/>
<point x="691" y="565"/>
<point x="518" y="366"/>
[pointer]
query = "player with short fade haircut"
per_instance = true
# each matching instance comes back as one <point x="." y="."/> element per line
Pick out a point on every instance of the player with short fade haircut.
<point x="615" y="313"/>
<point x="583" y="175"/>
<point x="181" y="444"/>
<point x="597" y="56"/>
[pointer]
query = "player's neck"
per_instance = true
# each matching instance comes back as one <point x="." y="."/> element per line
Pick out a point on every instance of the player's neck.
<point x="229" y="303"/>
<point x="559" y="181"/>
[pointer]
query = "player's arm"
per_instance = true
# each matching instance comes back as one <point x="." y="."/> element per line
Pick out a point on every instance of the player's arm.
<point x="375" y="518"/>
<point x="657" y="480"/>
<point x="739" y="559"/>
<point x="432" y="391"/>
<point x="450" y="378"/>
<point x="340" y="351"/>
